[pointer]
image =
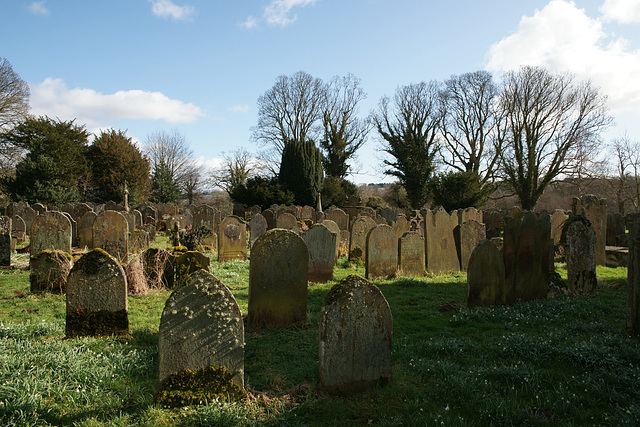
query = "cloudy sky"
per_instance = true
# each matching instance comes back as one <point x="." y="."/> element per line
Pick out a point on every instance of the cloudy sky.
<point x="199" y="66"/>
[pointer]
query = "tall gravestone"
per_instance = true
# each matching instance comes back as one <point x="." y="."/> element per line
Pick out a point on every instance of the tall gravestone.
<point x="440" y="247"/>
<point x="278" y="274"/>
<point x="321" y="244"/>
<point x="270" y="217"/>
<point x="232" y="239"/>
<point x="358" y="238"/>
<point x="382" y="252"/>
<point x="355" y="338"/>
<point x="111" y="233"/>
<point x="595" y="210"/>
<point x="401" y="226"/>
<point x="581" y="257"/>
<point x="200" y="344"/>
<point x="467" y="236"/>
<point x="525" y="250"/>
<point x="85" y="229"/>
<point x="18" y="228"/>
<point x="411" y="254"/>
<point x="616" y="230"/>
<point x="51" y="231"/>
<point x="5" y="241"/>
<point x="97" y="296"/>
<point x="485" y="276"/>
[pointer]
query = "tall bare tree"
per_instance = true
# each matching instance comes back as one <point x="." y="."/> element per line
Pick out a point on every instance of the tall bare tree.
<point x="171" y="162"/>
<point x="625" y="171"/>
<point x="544" y="119"/>
<point x="14" y="107"/>
<point x="236" y="168"/>
<point x="409" y="128"/>
<point x="343" y="131"/>
<point x="469" y="119"/>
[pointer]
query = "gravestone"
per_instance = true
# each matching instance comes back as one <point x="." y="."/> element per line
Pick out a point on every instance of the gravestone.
<point x="278" y="273"/>
<point x="595" y="210"/>
<point x="257" y="227"/>
<point x="201" y="329"/>
<point x="440" y="247"/>
<point x="382" y="252"/>
<point x="333" y="227"/>
<point x="51" y="231"/>
<point x="18" y="228"/>
<point x="321" y="245"/>
<point x="111" y="233"/>
<point x="355" y="338"/>
<point x="633" y="281"/>
<point x="467" y="236"/>
<point x="486" y="276"/>
<point x="558" y="217"/>
<point x="138" y="241"/>
<point x="137" y="215"/>
<point x="28" y="215"/>
<point x="204" y="216"/>
<point x="80" y="210"/>
<point x="48" y="271"/>
<point x="151" y="231"/>
<point x="131" y="220"/>
<point x="359" y="231"/>
<point x="469" y="214"/>
<point x="308" y="214"/>
<point x="74" y="228"/>
<point x="339" y="217"/>
<point x="525" y="250"/>
<point x="411" y="254"/>
<point x="493" y="222"/>
<point x="159" y="268"/>
<point x="616" y="230"/>
<point x="232" y="239"/>
<point x="149" y="214"/>
<point x="85" y="229"/>
<point x="581" y="257"/>
<point x="270" y="216"/>
<point x="97" y="296"/>
<point x="187" y="264"/>
<point x="401" y="226"/>
<point x="5" y="241"/>
<point x="287" y="221"/>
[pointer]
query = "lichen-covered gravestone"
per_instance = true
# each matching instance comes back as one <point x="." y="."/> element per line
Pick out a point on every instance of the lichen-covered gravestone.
<point x="111" y="233"/>
<point x="411" y="254"/>
<point x="485" y="276"/>
<point x="278" y="273"/>
<point x="5" y="241"/>
<point x="232" y="239"/>
<point x="355" y="338"/>
<point x="48" y="271"/>
<point x="358" y="238"/>
<point x="200" y="344"/>
<point x="97" y="296"/>
<point x="51" y="231"/>
<point x="595" y="210"/>
<point x="382" y="252"/>
<point x="581" y="257"/>
<point x="321" y="244"/>
<point x="188" y="263"/>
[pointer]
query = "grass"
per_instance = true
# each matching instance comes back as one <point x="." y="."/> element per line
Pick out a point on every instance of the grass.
<point x="564" y="360"/>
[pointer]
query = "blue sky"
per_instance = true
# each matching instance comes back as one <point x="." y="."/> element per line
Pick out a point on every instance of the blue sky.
<point x="199" y="66"/>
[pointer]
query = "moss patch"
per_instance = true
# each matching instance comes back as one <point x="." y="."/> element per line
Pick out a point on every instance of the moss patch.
<point x="337" y="288"/>
<point x="198" y="387"/>
<point x="81" y="323"/>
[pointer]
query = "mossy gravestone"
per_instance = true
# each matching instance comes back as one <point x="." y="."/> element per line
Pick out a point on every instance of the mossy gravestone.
<point x="581" y="257"/>
<point x="97" y="296"/>
<point x="355" y="337"/>
<point x="595" y="210"/>
<point x="359" y="232"/>
<point x="111" y="233"/>
<point x="188" y="263"/>
<point x="200" y="344"/>
<point x="232" y="239"/>
<point x="382" y="252"/>
<point x="278" y="273"/>
<point x="49" y="271"/>
<point x="51" y="231"/>
<point x="321" y="244"/>
<point x="485" y="276"/>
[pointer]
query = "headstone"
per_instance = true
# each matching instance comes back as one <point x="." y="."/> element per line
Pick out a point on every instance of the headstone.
<point x="493" y="222"/>
<point x="321" y="245"/>
<point x="355" y="338"/>
<point x="232" y="239"/>
<point x="48" y="271"/>
<point x="270" y="216"/>
<point x="257" y="227"/>
<point x="80" y="210"/>
<point x="525" y="250"/>
<point x="85" y="229"/>
<point x="359" y="231"/>
<point x="382" y="252"/>
<point x="204" y="216"/>
<point x="308" y="213"/>
<point x="5" y="241"/>
<point x="159" y="268"/>
<point x="137" y="215"/>
<point x="187" y="264"/>
<point x="39" y="207"/>
<point x="411" y="254"/>
<point x="51" y="231"/>
<point x="558" y="217"/>
<point x="339" y="217"/>
<point x="468" y="235"/>
<point x="201" y="329"/>
<point x="18" y="228"/>
<point x="616" y="230"/>
<point x="581" y="257"/>
<point x="469" y="214"/>
<point x="278" y="273"/>
<point x="149" y="214"/>
<point x="440" y="247"/>
<point x="138" y="241"/>
<point x="287" y="221"/>
<point x="333" y="227"/>
<point x="485" y="276"/>
<point x="633" y="281"/>
<point x="111" y="233"/>
<point x="401" y="226"/>
<point x="97" y="296"/>
<point x="595" y="210"/>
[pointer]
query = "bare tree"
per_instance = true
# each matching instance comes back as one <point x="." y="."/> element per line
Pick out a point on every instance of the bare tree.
<point x="343" y="131"/>
<point x="625" y="168"/>
<point x="14" y="107"/>
<point x="469" y="120"/>
<point x="409" y="128"/>
<point x="171" y="162"/>
<point x="235" y="170"/>
<point x="544" y="119"/>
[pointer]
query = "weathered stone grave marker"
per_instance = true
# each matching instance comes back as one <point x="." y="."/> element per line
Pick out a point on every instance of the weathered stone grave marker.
<point x="321" y="244"/>
<point x="382" y="252"/>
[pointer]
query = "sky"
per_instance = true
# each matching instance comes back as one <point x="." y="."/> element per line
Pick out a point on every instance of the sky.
<point x="199" y="66"/>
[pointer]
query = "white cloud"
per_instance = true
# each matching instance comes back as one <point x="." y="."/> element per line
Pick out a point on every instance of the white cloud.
<point x="38" y="8"/>
<point x="278" y="11"/>
<point x="239" y="109"/>
<point x="168" y="9"/>
<point x="52" y="97"/>
<point x="623" y="11"/>
<point x="562" y="37"/>
<point x="250" y="23"/>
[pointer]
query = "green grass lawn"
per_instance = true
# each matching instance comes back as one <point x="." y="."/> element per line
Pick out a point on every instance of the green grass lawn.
<point x="560" y="361"/>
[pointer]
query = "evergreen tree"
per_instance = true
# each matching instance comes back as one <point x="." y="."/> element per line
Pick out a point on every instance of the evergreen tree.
<point x="301" y="171"/>
<point x="164" y="188"/>
<point x="261" y="191"/>
<point x="459" y="190"/>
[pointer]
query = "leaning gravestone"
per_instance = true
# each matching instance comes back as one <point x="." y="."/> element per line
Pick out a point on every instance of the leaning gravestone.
<point x="232" y="239"/>
<point x="187" y="264"/>
<point x="321" y="244"/>
<point x="358" y="242"/>
<point x="5" y="241"/>
<point x="355" y="338"/>
<point x="200" y="344"/>
<point x="85" y="229"/>
<point x="48" y="271"/>
<point x="525" y="250"/>
<point x="97" y="296"/>
<point x="485" y="276"/>
<point x="440" y="247"/>
<point x="595" y="210"/>
<point x="581" y="257"/>
<point x="257" y="227"/>
<point x="411" y="254"/>
<point x="111" y="233"/>
<point x="278" y="273"/>
<point x="51" y="231"/>
<point x="382" y="252"/>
